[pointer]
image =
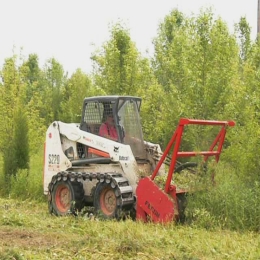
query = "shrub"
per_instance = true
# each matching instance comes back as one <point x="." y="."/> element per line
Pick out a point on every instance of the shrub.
<point x="231" y="203"/>
<point x="27" y="184"/>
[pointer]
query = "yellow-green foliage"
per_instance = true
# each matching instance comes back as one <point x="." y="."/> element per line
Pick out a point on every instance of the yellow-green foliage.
<point x="196" y="72"/>
<point x="27" y="183"/>
<point x="2" y="181"/>
<point x="184" y="180"/>
<point x="230" y="203"/>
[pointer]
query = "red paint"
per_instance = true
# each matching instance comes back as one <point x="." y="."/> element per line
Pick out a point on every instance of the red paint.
<point x="161" y="205"/>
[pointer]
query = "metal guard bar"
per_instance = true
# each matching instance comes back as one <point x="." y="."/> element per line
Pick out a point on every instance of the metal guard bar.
<point x="186" y="121"/>
<point x="176" y="141"/>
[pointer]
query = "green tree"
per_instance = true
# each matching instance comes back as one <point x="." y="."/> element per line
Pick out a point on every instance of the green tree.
<point x="78" y="87"/>
<point x="21" y="141"/>
<point x="196" y="61"/>
<point x="35" y="102"/>
<point x="13" y="93"/>
<point x="246" y="109"/>
<point x="170" y="47"/>
<point x="120" y="69"/>
<point x="54" y="80"/>
<point x="116" y="65"/>
<point x="153" y="107"/>
<point x="243" y="30"/>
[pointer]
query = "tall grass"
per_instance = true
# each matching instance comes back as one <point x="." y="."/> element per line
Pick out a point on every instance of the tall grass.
<point x="27" y="184"/>
<point x="231" y="203"/>
<point x="3" y="183"/>
<point x="27" y="231"/>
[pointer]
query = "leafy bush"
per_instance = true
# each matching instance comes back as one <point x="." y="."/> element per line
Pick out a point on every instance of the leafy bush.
<point x="231" y="203"/>
<point x="19" y="185"/>
<point x="36" y="176"/>
<point x="26" y="184"/>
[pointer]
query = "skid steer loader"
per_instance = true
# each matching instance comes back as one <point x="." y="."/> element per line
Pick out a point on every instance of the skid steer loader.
<point x="82" y="168"/>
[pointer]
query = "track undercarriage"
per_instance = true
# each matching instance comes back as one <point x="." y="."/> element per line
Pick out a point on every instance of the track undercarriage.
<point x="112" y="195"/>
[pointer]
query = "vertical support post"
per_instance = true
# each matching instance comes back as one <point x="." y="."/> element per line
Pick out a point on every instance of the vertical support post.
<point x="174" y="157"/>
<point x="164" y="155"/>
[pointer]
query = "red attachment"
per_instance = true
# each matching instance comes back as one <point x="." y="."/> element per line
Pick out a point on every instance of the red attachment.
<point x="157" y="204"/>
<point x="153" y="202"/>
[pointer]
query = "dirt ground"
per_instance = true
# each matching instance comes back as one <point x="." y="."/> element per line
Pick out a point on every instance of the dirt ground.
<point x="21" y="238"/>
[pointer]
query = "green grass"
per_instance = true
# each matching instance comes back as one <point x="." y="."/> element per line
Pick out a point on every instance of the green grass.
<point x="230" y="204"/>
<point x="27" y="231"/>
<point x="223" y="222"/>
<point x="26" y="183"/>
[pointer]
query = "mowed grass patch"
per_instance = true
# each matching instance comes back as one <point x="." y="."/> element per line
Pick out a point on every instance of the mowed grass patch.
<point x="27" y="231"/>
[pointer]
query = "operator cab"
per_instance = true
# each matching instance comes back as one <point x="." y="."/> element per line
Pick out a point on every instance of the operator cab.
<point x="125" y="111"/>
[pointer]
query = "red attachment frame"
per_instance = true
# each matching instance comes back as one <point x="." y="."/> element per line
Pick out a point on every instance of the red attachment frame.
<point x="154" y="202"/>
<point x="176" y="138"/>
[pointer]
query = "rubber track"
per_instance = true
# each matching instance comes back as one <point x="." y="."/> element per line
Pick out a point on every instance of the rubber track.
<point x="77" y="188"/>
<point x="123" y="190"/>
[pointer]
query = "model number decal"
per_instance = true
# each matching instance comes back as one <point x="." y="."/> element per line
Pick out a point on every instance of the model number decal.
<point x="123" y="158"/>
<point x="54" y="159"/>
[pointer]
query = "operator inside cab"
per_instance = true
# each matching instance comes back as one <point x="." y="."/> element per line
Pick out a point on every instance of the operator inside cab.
<point x="107" y="128"/>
